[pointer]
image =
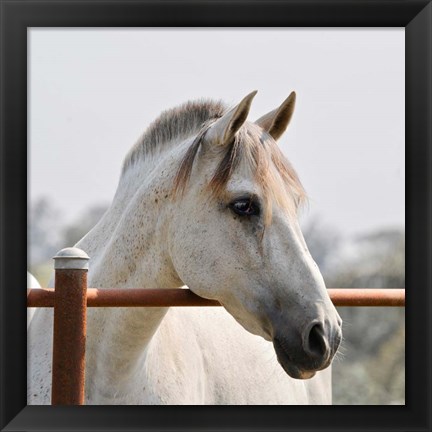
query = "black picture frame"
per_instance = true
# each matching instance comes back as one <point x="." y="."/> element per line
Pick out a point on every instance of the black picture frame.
<point x="17" y="16"/>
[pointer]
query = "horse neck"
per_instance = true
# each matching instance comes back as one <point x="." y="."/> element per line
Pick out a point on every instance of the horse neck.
<point x="128" y="249"/>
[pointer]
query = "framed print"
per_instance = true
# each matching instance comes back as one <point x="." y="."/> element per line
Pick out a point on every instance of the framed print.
<point x="80" y="82"/>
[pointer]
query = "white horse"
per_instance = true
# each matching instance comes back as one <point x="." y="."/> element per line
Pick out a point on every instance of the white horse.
<point x="32" y="282"/>
<point x="207" y="200"/>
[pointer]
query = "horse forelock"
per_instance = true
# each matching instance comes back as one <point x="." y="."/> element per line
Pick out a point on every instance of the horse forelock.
<point x="272" y="172"/>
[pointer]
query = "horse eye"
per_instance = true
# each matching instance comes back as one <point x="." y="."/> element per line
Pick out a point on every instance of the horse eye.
<point x="245" y="207"/>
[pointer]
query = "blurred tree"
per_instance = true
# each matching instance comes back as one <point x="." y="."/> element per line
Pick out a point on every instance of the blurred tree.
<point x="322" y="241"/>
<point x="375" y="260"/>
<point x="369" y="368"/>
<point x="374" y="338"/>
<point x="43" y="231"/>
<point x="78" y="229"/>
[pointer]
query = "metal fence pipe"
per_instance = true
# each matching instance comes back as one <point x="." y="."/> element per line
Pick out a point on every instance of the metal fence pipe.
<point x="367" y="297"/>
<point x="184" y="297"/>
<point x="70" y="308"/>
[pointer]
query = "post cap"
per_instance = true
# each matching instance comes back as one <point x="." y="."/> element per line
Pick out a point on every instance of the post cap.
<point x="71" y="258"/>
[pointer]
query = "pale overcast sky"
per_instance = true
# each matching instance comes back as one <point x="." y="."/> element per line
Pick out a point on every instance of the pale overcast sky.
<point x="93" y="92"/>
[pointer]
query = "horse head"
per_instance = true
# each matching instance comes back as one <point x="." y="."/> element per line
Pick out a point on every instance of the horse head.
<point x="236" y="238"/>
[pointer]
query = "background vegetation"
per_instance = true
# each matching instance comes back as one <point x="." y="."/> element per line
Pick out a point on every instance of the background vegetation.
<point x="370" y="366"/>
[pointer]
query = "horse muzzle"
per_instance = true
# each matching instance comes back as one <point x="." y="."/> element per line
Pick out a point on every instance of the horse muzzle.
<point x="302" y="355"/>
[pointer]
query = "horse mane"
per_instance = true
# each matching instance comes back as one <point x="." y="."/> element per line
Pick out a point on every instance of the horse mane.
<point x="272" y="171"/>
<point x="181" y="121"/>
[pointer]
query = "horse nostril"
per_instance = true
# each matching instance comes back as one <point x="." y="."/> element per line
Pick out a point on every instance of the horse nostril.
<point x="315" y="343"/>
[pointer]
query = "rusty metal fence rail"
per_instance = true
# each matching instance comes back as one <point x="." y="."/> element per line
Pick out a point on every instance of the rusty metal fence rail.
<point x="71" y="297"/>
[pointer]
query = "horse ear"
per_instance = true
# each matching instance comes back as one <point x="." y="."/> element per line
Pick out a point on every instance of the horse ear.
<point x="276" y="121"/>
<point x="224" y="129"/>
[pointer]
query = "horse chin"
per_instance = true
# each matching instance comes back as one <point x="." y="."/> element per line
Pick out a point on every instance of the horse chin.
<point x="289" y="367"/>
<point x="295" y="372"/>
